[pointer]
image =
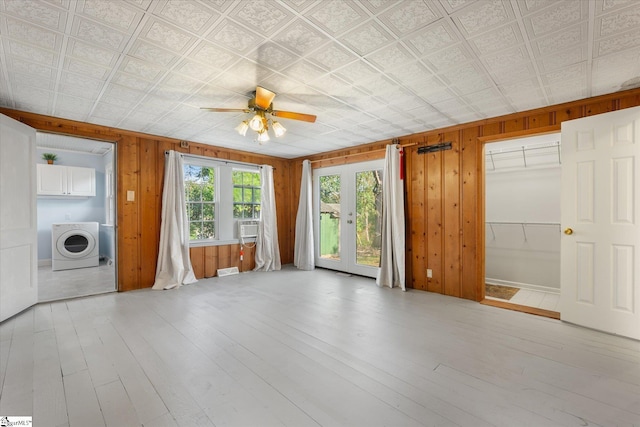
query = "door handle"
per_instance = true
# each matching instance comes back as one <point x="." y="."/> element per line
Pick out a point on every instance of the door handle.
<point x="349" y="221"/>
<point x="568" y="231"/>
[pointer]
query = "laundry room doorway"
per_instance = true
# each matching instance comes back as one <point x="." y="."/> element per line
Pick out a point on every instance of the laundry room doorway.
<point x="76" y="211"/>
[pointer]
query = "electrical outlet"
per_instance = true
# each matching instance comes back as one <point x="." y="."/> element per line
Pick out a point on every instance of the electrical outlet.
<point x="429" y="273"/>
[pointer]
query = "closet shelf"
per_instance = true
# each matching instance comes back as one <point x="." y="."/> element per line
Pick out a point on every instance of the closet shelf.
<point x="523" y="225"/>
<point x="552" y="149"/>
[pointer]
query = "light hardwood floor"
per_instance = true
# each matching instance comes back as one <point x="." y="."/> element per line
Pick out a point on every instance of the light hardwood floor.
<point x="314" y="348"/>
<point x="79" y="282"/>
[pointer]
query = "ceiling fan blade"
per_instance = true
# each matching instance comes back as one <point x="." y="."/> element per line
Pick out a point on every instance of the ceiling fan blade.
<point x="264" y="97"/>
<point x="226" y="110"/>
<point x="295" y="116"/>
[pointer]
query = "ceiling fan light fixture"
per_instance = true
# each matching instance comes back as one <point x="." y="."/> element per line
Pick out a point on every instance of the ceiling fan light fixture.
<point x="256" y="123"/>
<point x="242" y="128"/>
<point x="278" y="129"/>
<point x="263" y="137"/>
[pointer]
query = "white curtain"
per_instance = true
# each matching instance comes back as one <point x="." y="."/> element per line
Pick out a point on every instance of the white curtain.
<point x="174" y="264"/>
<point x="392" y="268"/>
<point x="303" y="256"/>
<point x="267" y="248"/>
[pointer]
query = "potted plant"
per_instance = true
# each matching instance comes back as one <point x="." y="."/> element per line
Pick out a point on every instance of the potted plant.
<point x="49" y="157"/>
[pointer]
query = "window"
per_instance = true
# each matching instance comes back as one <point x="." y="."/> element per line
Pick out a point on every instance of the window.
<point x="246" y="194"/>
<point x="218" y="194"/>
<point x="200" y="195"/>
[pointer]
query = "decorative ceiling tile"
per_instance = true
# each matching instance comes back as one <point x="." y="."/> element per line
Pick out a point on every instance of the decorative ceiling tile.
<point x="367" y="38"/>
<point x="300" y="37"/>
<point x="83" y="82"/>
<point x="93" y="54"/>
<point x="37" y="12"/>
<point x="431" y="39"/>
<point x="408" y="16"/>
<point x="33" y="54"/>
<point x="235" y="37"/>
<point x="187" y="14"/>
<point x="375" y="6"/>
<point x="572" y="73"/>
<point x="337" y="16"/>
<point x="128" y="80"/>
<point x="453" y="5"/>
<point x="85" y="68"/>
<point x="467" y="78"/>
<point x="108" y="111"/>
<point x="562" y="59"/>
<point x="272" y="56"/>
<point x="557" y="17"/>
<point x="506" y="59"/>
<point x="166" y="36"/>
<point x="75" y="104"/>
<point x="331" y="57"/>
<point x="18" y="65"/>
<point x="606" y="6"/>
<point x="29" y="80"/>
<point x="560" y="41"/>
<point x="212" y="55"/>
<point x="120" y="95"/>
<point x="114" y="14"/>
<point x="391" y="57"/>
<point x="31" y="34"/>
<point x="514" y="73"/>
<point x="483" y="16"/>
<point x="304" y="71"/>
<point x="447" y="58"/>
<point x="493" y="41"/>
<point x="97" y="34"/>
<point x="299" y="5"/>
<point x="79" y="91"/>
<point x="196" y="70"/>
<point x="529" y="6"/>
<point x="142" y="4"/>
<point x="620" y="42"/>
<point x="142" y="69"/>
<point x="262" y="15"/>
<point x="410" y="73"/>
<point x="153" y="54"/>
<point x="618" y="21"/>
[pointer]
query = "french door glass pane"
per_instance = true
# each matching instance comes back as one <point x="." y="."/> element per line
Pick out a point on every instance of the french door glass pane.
<point x="330" y="217"/>
<point x="368" y="217"/>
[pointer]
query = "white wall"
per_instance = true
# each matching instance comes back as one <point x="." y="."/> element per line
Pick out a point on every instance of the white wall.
<point x="51" y="210"/>
<point x="523" y="195"/>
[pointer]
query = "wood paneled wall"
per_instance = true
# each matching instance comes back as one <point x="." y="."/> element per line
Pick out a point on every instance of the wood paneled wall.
<point x="444" y="193"/>
<point x="445" y="190"/>
<point x="140" y="168"/>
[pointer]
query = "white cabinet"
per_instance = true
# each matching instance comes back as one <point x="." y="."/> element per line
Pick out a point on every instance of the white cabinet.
<point x="66" y="181"/>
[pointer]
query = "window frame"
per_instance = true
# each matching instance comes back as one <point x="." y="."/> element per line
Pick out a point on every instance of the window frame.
<point x="243" y="187"/>
<point x="216" y="202"/>
<point x="225" y="225"/>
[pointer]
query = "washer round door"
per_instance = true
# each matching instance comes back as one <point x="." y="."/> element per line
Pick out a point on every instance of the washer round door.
<point x="75" y="244"/>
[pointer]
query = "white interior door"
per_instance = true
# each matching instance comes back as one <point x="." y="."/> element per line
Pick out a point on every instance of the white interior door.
<point x="18" y="232"/>
<point x="347" y="212"/>
<point x="600" y="207"/>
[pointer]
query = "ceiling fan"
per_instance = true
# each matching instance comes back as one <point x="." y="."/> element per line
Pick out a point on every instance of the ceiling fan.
<point x="262" y="107"/>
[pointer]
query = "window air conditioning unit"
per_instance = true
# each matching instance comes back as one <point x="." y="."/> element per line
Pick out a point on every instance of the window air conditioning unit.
<point x="247" y="228"/>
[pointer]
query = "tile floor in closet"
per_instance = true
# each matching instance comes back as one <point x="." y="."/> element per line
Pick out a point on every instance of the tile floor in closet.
<point x="78" y="282"/>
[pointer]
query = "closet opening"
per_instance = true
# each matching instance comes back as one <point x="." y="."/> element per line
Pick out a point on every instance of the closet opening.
<point x="522" y="180"/>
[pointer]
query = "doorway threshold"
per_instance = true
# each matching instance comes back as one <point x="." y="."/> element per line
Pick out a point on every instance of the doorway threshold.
<point x="522" y="308"/>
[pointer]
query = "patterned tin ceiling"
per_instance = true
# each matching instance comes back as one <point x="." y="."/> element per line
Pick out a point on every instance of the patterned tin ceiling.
<point x="369" y="69"/>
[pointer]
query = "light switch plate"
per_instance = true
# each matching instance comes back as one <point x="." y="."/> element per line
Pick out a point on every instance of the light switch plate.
<point x="131" y="196"/>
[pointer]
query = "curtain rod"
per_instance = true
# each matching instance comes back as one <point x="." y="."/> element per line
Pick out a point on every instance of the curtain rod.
<point x="226" y="161"/>
<point x="361" y="153"/>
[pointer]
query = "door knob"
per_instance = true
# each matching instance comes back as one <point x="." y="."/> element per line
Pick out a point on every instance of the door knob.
<point x="349" y="221"/>
<point x="568" y="231"/>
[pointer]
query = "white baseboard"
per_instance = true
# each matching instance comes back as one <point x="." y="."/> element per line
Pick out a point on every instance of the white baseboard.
<point x="548" y="289"/>
<point x="44" y="262"/>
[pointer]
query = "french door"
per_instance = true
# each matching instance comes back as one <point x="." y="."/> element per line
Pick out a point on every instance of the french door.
<point x="347" y="217"/>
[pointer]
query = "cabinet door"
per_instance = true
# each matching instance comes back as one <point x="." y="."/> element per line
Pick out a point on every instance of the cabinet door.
<point x="52" y="180"/>
<point x="81" y="181"/>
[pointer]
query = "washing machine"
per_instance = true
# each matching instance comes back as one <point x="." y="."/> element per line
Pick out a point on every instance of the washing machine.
<point x="74" y="245"/>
